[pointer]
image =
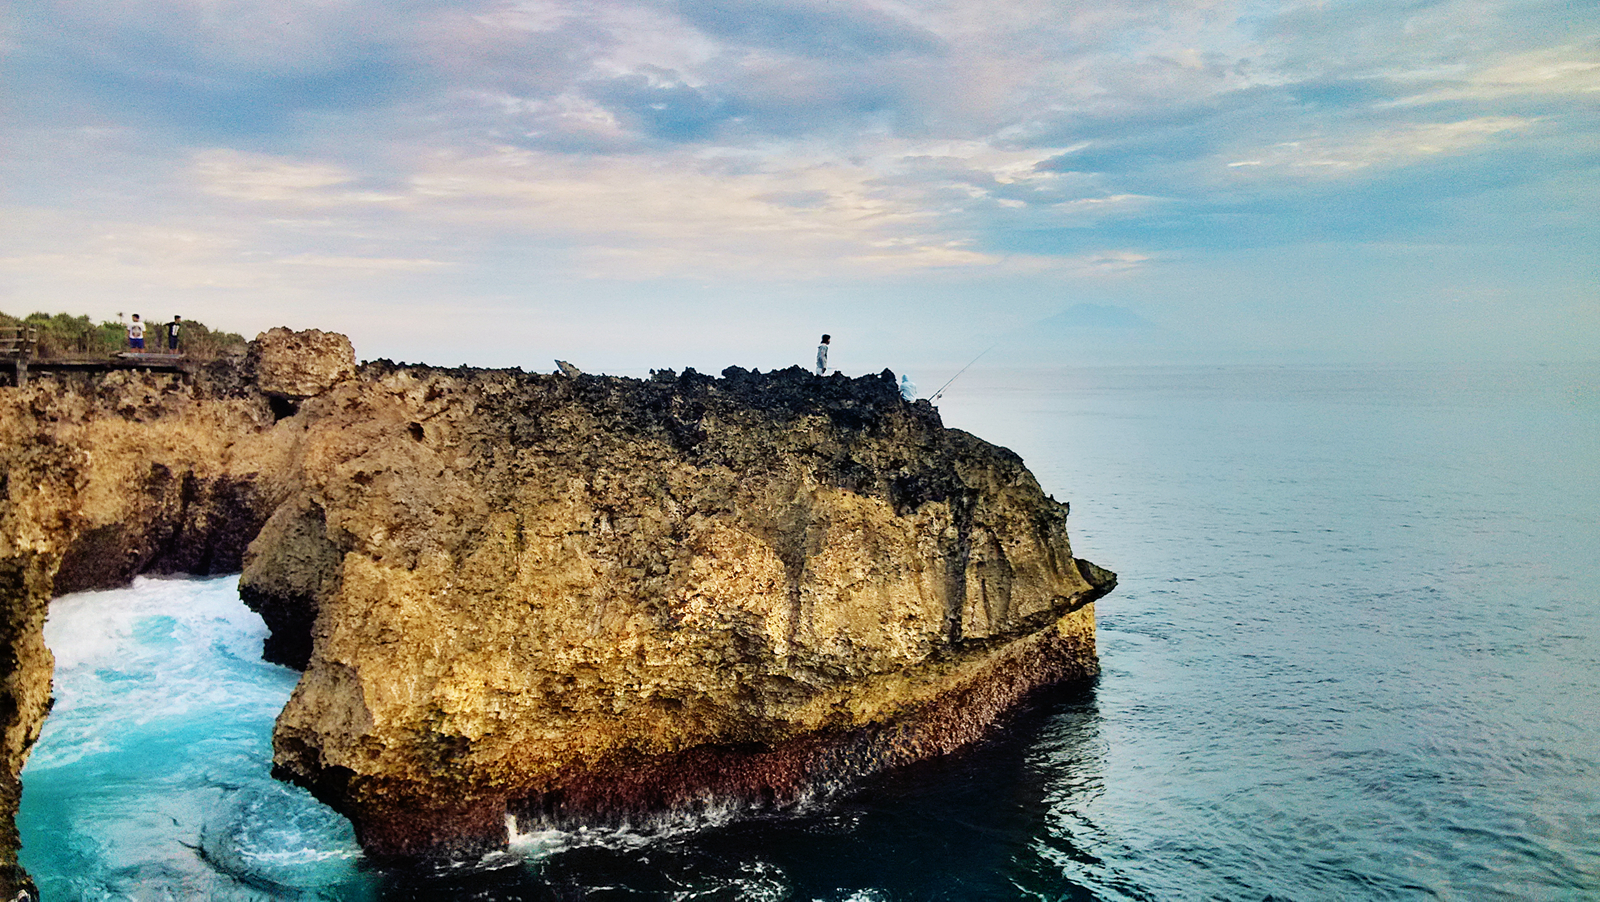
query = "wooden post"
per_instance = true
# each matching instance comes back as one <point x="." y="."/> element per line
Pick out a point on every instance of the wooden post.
<point x="19" y="346"/>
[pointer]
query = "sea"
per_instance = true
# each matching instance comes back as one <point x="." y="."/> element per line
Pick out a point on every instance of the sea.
<point x="1354" y="654"/>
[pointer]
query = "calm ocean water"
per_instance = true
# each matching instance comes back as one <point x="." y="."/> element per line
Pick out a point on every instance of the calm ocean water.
<point x="1354" y="654"/>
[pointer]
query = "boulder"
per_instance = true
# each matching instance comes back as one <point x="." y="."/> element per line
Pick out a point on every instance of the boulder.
<point x="300" y="365"/>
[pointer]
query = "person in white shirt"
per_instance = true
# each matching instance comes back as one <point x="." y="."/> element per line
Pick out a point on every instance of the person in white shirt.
<point x="136" y="334"/>
<point x="822" y="355"/>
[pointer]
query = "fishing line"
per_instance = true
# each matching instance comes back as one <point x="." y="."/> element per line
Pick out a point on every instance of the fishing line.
<point x="935" y="396"/>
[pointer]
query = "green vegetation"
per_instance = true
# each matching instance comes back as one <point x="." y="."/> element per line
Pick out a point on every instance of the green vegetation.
<point x="64" y="335"/>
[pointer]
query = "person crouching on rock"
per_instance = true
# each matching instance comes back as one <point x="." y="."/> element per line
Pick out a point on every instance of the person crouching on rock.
<point x="136" y="334"/>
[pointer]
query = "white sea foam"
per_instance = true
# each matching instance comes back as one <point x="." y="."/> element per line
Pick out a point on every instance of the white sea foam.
<point x="273" y="834"/>
<point x="136" y="660"/>
<point x="155" y="760"/>
<point x="106" y="626"/>
<point x="540" y="839"/>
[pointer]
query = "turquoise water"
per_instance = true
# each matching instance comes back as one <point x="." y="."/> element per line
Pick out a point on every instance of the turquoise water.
<point x="150" y="780"/>
<point x="1355" y="654"/>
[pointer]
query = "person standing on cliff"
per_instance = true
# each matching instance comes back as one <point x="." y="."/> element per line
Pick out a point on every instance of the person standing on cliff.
<point x="822" y="355"/>
<point x="136" y="334"/>
<point x="173" y="328"/>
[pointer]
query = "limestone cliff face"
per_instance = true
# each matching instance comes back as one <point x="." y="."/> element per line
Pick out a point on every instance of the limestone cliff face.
<point x="555" y="598"/>
<point x="104" y="478"/>
<point x="578" y="598"/>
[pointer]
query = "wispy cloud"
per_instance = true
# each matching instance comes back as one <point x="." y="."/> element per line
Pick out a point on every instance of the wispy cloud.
<point x="1319" y="156"/>
<point x="385" y="264"/>
<point x="1553" y="72"/>
<point x="230" y="173"/>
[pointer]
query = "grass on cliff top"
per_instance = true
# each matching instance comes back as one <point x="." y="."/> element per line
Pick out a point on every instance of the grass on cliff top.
<point x="65" y="335"/>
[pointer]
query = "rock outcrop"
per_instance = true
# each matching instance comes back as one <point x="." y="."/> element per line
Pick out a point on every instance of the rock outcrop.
<point x="292" y="366"/>
<point x="556" y="598"/>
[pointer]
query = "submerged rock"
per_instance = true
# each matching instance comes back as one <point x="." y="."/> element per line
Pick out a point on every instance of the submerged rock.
<point x="567" y="598"/>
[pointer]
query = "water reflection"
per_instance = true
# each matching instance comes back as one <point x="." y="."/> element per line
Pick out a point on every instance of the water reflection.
<point x="1071" y="852"/>
<point x="967" y="826"/>
<point x="985" y="823"/>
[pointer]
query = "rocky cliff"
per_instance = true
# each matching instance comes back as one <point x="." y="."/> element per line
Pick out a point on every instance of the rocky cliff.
<point x="556" y="598"/>
<point x="110" y="475"/>
<point x="103" y="478"/>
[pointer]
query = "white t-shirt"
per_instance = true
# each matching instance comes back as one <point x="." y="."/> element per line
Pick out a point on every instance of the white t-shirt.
<point x="136" y="329"/>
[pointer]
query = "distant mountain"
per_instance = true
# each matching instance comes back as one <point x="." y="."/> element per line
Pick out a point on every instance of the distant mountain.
<point x="1088" y="334"/>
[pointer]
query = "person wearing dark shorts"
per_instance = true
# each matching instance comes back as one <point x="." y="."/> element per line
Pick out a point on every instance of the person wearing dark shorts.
<point x="136" y="334"/>
<point x="173" y="328"/>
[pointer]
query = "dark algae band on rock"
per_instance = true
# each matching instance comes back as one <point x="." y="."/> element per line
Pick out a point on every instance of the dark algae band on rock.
<point x="565" y="599"/>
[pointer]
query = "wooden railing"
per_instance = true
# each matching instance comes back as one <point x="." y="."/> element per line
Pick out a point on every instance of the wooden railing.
<point x="18" y="343"/>
<point x="19" y="353"/>
<point x="16" y="346"/>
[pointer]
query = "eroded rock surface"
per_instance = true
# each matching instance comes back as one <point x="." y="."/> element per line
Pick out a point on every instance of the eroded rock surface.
<point x="581" y="598"/>
<point x="561" y="598"/>
<point x="299" y="365"/>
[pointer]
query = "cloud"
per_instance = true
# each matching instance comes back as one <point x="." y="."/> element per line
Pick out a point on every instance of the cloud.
<point x="658" y="103"/>
<point x="230" y="173"/>
<point x="695" y="214"/>
<point x="384" y="264"/>
<point x="810" y="27"/>
<point x="520" y="148"/>
<point x="1567" y="72"/>
<point x="1332" y="157"/>
<point x="1112" y="262"/>
<point x="222" y="68"/>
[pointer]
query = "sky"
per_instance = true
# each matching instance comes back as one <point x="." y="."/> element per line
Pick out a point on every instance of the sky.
<point x="667" y="183"/>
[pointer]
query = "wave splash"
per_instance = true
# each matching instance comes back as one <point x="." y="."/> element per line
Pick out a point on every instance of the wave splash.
<point x="151" y="777"/>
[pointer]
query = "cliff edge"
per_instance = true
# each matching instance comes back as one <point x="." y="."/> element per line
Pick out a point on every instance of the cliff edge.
<point x="104" y="477"/>
<point x="551" y="598"/>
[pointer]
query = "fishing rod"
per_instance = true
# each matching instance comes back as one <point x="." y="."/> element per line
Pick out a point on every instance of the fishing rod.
<point x="935" y="396"/>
